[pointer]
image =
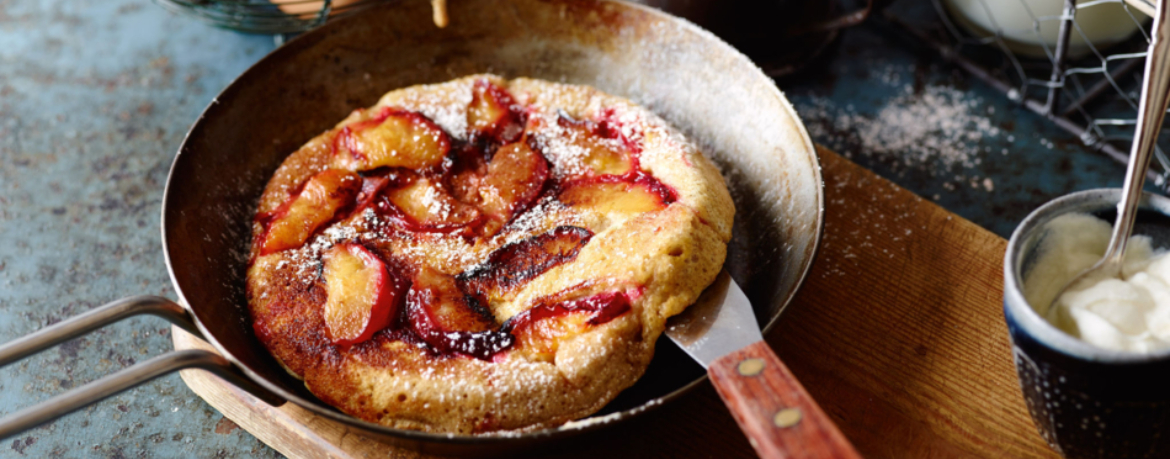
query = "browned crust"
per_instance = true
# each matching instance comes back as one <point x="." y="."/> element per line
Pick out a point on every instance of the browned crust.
<point x="671" y="255"/>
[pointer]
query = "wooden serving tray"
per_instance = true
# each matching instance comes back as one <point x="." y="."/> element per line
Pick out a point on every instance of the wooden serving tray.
<point x="898" y="332"/>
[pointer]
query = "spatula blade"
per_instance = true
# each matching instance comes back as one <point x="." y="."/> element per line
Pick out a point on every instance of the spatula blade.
<point x="719" y="323"/>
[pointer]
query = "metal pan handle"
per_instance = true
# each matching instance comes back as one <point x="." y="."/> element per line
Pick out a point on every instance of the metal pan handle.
<point x="125" y="379"/>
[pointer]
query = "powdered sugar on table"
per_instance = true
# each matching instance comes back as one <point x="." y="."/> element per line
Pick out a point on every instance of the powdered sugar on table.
<point x="937" y="129"/>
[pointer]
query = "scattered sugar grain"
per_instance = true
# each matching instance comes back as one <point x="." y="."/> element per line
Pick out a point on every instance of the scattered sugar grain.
<point x="936" y="130"/>
<point x="434" y="203"/>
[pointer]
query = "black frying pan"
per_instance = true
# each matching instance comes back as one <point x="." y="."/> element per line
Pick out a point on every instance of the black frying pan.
<point x="696" y="82"/>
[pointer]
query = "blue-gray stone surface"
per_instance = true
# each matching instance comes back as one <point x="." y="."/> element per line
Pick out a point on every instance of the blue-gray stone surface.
<point x="95" y="97"/>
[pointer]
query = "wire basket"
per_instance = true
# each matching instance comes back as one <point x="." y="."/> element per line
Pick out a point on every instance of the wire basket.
<point x="265" y="16"/>
<point x="1049" y="63"/>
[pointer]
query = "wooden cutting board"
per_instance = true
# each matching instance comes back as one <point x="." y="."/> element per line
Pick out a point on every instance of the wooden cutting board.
<point x="898" y="332"/>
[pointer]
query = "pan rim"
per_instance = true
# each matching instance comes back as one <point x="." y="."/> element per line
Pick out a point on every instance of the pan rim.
<point x="584" y="425"/>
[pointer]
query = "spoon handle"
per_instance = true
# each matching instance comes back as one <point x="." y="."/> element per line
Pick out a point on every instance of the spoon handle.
<point x="1151" y="111"/>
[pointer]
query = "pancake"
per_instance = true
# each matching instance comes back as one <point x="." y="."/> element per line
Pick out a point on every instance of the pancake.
<point x="483" y="255"/>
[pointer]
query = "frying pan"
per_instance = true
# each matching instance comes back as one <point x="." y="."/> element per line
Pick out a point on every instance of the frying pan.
<point x="686" y="75"/>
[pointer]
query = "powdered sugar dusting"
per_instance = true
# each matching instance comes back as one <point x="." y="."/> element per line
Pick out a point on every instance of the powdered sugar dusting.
<point x="442" y="250"/>
<point x="307" y="259"/>
<point x="939" y="130"/>
<point x="537" y="219"/>
<point x="452" y="117"/>
<point x="565" y="147"/>
<point x="434" y="200"/>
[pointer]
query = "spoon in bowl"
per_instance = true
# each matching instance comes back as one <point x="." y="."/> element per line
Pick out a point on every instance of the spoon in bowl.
<point x="1151" y="111"/>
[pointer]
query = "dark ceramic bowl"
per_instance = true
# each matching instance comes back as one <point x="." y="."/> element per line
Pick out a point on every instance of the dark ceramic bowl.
<point x="1086" y="401"/>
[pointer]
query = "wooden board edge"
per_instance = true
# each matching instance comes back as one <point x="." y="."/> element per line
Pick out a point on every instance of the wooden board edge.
<point x="275" y="426"/>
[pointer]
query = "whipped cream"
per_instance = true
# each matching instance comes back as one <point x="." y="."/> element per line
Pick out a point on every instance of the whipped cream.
<point x="1128" y="314"/>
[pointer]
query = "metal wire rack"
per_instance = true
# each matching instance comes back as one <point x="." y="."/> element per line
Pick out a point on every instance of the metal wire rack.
<point x="1064" y="76"/>
<point x="265" y="16"/>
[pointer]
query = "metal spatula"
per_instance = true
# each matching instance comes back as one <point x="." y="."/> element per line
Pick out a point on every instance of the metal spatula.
<point x="778" y="416"/>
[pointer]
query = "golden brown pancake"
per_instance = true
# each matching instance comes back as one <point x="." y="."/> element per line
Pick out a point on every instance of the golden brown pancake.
<point x="483" y="255"/>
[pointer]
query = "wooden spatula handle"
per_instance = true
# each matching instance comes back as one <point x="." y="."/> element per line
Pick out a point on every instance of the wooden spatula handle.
<point x="773" y="409"/>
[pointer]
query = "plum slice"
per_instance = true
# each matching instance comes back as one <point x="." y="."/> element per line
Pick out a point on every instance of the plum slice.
<point x="468" y="167"/>
<point x="515" y="177"/>
<point x="372" y="187"/>
<point x="317" y="202"/>
<point x="541" y="328"/>
<point x="601" y="308"/>
<point x="492" y="113"/>
<point x="632" y="194"/>
<point x="394" y="138"/>
<point x="601" y="155"/>
<point x="363" y="295"/>
<point x="440" y="314"/>
<point x="515" y="263"/>
<point x="424" y="206"/>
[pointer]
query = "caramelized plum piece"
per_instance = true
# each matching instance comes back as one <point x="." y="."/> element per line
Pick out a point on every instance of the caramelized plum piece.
<point x="469" y="166"/>
<point x="601" y="155"/>
<point x="516" y="263"/>
<point x="363" y="296"/>
<point x="602" y="308"/>
<point x="395" y="138"/>
<point x="541" y="328"/>
<point x="493" y="114"/>
<point x="372" y="187"/>
<point x="318" y="201"/>
<point x="514" y="179"/>
<point x="424" y="206"/>
<point x="618" y="195"/>
<point x="440" y="314"/>
<point x="541" y="339"/>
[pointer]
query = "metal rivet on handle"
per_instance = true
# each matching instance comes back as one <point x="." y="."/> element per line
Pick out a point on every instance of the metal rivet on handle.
<point x="787" y="417"/>
<point x="750" y="367"/>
